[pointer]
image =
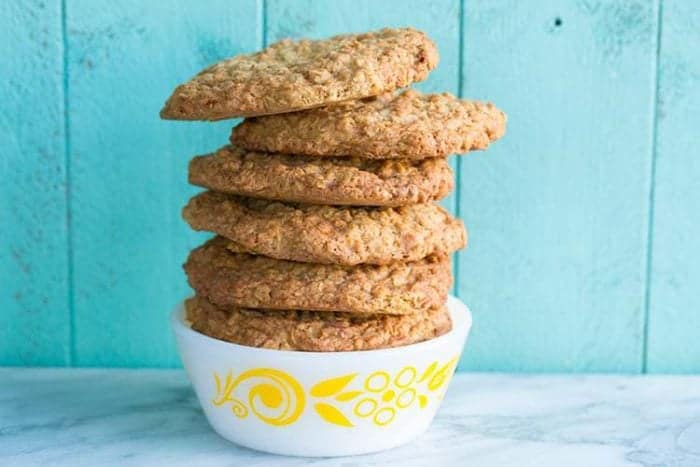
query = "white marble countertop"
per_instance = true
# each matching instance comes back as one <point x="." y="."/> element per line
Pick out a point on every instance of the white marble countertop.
<point x="151" y="417"/>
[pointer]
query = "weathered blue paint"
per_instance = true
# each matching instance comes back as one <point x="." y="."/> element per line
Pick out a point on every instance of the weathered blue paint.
<point x="129" y="169"/>
<point x="560" y="272"/>
<point x="674" y="275"/>
<point x="34" y="309"/>
<point x="558" y="208"/>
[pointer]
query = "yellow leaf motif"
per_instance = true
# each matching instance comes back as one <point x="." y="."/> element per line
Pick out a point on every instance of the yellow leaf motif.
<point x="222" y="392"/>
<point x="217" y="380"/>
<point x="332" y="415"/>
<point x="428" y="372"/>
<point x="442" y="375"/>
<point x="347" y="396"/>
<point x="331" y="386"/>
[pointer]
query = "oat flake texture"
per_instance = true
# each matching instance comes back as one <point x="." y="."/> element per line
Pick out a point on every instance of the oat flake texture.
<point x="327" y="234"/>
<point x="293" y="75"/>
<point x="407" y="125"/>
<point x="227" y="278"/>
<point x="314" y="331"/>
<point x="327" y="180"/>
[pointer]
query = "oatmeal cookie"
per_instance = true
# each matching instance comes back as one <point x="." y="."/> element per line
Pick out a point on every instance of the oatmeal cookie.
<point x="227" y="279"/>
<point x="327" y="234"/>
<point x="314" y="331"/>
<point x="328" y="180"/>
<point x="292" y="75"/>
<point x="409" y="125"/>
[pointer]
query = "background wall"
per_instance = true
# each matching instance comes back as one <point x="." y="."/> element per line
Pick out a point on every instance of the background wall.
<point x="583" y="220"/>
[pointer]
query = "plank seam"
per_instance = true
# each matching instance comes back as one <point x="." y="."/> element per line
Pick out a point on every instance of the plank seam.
<point x="66" y="162"/>
<point x="460" y="92"/>
<point x="263" y="22"/>
<point x="460" y="71"/>
<point x="652" y="192"/>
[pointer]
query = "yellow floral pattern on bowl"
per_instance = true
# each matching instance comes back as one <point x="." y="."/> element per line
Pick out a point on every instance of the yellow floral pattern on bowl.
<point x="278" y="399"/>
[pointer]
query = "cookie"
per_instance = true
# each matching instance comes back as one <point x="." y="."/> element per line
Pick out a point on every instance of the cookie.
<point x="409" y="125"/>
<point x="293" y="75"/>
<point x="328" y="180"/>
<point x="241" y="280"/>
<point x="327" y="234"/>
<point x="314" y="331"/>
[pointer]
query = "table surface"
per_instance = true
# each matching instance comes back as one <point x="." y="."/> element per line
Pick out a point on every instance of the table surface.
<point x="151" y="417"/>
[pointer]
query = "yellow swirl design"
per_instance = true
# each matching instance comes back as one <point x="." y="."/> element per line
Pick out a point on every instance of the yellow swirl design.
<point x="276" y="398"/>
<point x="224" y="394"/>
<point x="238" y="409"/>
<point x="284" y="392"/>
<point x="270" y="391"/>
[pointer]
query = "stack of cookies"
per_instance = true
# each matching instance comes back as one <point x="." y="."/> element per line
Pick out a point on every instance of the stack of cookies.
<point x="328" y="237"/>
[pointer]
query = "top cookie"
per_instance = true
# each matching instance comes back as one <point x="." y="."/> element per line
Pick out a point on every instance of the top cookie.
<point x="408" y="125"/>
<point x="294" y="75"/>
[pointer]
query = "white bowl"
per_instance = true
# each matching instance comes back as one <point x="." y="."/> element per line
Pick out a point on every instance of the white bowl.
<point x="321" y="403"/>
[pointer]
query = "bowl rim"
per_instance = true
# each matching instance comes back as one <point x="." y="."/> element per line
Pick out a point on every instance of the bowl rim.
<point x="459" y="313"/>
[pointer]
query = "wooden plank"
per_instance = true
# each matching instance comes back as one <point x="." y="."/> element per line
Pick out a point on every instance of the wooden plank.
<point x="319" y="19"/>
<point x="674" y="306"/>
<point x="129" y="169"/>
<point x="35" y="325"/>
<point x="558" y="210"/>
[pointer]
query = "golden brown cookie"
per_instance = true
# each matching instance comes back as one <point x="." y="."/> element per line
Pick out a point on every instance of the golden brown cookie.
<point x="293" y="75"/>
<point x="328" y="180"/>
<point x="408" y="125"/>
<point x="241" y="280"/>
<point x="312" y="330"/>
<point x="327" y="234"/>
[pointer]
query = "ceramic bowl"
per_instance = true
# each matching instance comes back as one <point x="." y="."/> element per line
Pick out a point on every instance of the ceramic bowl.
<point x="321" y="403"/>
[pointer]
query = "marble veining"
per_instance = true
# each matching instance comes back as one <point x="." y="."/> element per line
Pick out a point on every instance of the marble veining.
<point x="151" y="417"/>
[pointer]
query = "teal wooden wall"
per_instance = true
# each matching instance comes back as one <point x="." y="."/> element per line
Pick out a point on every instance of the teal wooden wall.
<point x="584" y="220"/>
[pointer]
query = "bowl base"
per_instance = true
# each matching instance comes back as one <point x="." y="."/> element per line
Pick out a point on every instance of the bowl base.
<point x="371" y="446"/>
